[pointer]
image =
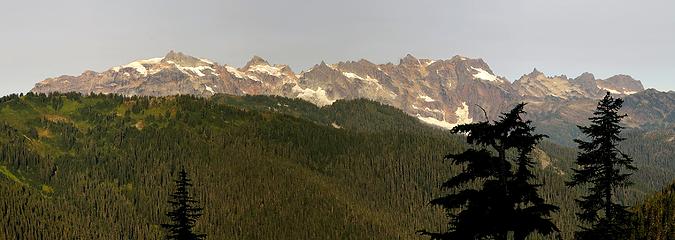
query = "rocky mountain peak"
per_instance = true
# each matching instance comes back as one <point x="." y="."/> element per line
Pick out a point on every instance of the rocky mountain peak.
<point x="256" y="60"/>
<point x="321" y="67"/>
<point x="535" y="73"/>
<point x="184" y="60"/>
<point x="365" y="62"/>
<point x="585" y="77"/>
<point x="458" y="58"/>
<point x="409" y="60"/>
<point x="622" y="79"/>
<point x="620" y="84"/>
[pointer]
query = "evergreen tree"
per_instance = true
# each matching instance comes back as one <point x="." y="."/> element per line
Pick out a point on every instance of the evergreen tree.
<point x="507" y="202"/>
<point x="185" y="211"/>
<point x="531" y="211"/>
<point x="601" y="166"/>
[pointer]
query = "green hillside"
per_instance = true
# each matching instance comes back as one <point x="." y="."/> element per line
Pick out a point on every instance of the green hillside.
<point x="101" y="167"/>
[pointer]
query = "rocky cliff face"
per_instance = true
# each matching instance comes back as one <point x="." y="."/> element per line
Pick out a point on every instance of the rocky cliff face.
<point x="442" y="92"/>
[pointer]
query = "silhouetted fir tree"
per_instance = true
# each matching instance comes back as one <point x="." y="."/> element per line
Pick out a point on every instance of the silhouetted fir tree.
<point x="600" y="167"/>
<point x="185" y="211"/>
<point x="507" y="201"/>
<point x="531" y="213"/>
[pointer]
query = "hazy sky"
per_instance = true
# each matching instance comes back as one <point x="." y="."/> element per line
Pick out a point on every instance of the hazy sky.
<point x="40" y="39"/>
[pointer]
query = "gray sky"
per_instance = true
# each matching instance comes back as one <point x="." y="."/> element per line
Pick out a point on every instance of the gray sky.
<point x="40" y="39"/>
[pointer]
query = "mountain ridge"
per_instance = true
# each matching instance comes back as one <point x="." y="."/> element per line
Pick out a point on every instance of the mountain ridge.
<point x="441" y="92"/>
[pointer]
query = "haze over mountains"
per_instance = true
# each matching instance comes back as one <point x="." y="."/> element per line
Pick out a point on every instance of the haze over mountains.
<point x="442" y="92"/>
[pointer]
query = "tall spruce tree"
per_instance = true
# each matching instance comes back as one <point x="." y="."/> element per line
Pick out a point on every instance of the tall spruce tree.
<point x="184" y="213"/>
<point x="507" y="202"/>
<point x="602" y="168"/>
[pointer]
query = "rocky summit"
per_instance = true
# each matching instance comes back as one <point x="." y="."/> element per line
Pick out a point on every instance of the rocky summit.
<point x="442" y="92"/>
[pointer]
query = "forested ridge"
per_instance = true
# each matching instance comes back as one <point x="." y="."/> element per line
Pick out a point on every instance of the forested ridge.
<point x="101" y="167"/>
<point x="655" y="218"/>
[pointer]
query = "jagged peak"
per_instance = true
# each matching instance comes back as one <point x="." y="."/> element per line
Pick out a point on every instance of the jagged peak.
<point x="535" y="72"/>
<point x="321" y="66"/>
<point x="256" y="60"/>
<point x="409" y="59"/>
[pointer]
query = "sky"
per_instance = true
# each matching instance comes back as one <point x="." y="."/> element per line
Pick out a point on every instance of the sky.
<point x="41" y="39"/>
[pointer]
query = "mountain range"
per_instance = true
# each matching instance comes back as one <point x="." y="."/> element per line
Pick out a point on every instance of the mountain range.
<point x="443" y="92"/>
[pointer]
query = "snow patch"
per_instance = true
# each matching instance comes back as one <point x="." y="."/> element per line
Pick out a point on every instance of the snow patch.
<point x="462" y="114"/>
<point x="371" y="80"/>
<point x="335" y="125"/>
<point x="427" y="98"/>
<point x="254" y="78"/>
<point x="209" y="89"/>
<point x="436" y="122"/>
<point x="235" y="72"/>
<point x="610" y="90"/>
<point x="197" y="70"/>
<point x="266" y="69"/>
<point x="317" y="96"/>
<point x="485" y="75"/>
<point x="351" y="75"/>
<point x="139" y="65"/>
<point x="367" y="79"/>
<point x="613" y="91"/>
<point x="432" y="110"/>
<point x="206" y="61"/>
